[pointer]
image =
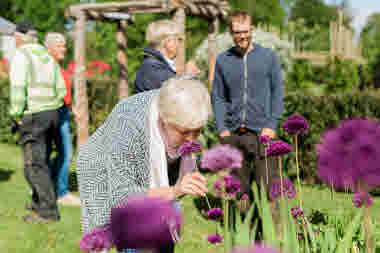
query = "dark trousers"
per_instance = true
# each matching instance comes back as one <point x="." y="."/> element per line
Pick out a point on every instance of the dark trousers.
<point x="254" y="167"/>
<point x="37" y="131"/>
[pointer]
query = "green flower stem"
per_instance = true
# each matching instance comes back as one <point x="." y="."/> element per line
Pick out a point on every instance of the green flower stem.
<point x="298" y="172"/>
<point x="280" y="167"/>
<point x="227" y="238"/>
<point x="367" y="230"/>
<point x="266" y="164"/>
<point x="208" y="202"/>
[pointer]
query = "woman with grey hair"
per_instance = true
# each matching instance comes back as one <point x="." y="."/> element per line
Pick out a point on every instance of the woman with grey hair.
<point x="129" y="153"/>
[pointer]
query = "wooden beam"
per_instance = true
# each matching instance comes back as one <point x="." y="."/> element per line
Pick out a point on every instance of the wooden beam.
<point x="118" y="6"/>
<point x="80" y="106"/>
<point x="212" y="50"/>
<point x="180" y="19"/>
<point x="121" y="41"/>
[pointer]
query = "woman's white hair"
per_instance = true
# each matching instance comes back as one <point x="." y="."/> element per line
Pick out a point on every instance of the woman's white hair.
<point x="53" y="38"/>
<point x="160" y="30"/>
<point x="185" y="102"/>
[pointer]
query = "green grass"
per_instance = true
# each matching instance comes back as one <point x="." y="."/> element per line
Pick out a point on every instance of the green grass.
<point x="63" y="237"/>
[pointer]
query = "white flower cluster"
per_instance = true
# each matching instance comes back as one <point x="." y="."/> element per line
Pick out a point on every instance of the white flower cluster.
<point x="283" y="48"/>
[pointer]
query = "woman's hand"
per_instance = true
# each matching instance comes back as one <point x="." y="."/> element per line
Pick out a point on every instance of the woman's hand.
<point x="192" y="183"/>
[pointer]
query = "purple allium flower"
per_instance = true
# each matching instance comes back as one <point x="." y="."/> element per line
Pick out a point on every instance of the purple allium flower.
<point x="221" y="157"/>
<point x="190" y="147"/>
<point x="296" y="212"/>
<point x="289" y="190"/>
<point x="278" y="148"/>
<point x="215" y="238"/>
<point x="145" y="223"/>
<point x="300" y="236"/>
<point x="362" y="198"/>
<point x="218" y="188"/>
<point x="215" y="214"/>
<point x="350" y="154"/>
<point x="232" y="185"/>
<point x="296" y="124"/>
<point x="244" y="196"/>
<point x="96" y="240"/>
<point x="265" y="139"/>
<point x="257" y="248"/>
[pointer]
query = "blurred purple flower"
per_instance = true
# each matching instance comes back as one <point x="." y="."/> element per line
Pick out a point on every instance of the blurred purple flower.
<point x="278" y="148"/>
<point x="351" y="153"/>
<point x="265" y="139"/>
<point x="362" y="198"/>
<point x="215" y="238"/>
<point x="244" y="196"/>
<point x="300" y="236"/>
<point x="296" y="212"/>
<point x="218" y="188"/>
<point x="289" y="190"/>
<point x="221" y="157"/>
<point x="296" y="124"/>
<point x="190" y="147"/>
<point x="232" y="185"/>
<point x="215" y="214"/>
<point x="96" y="240"/>
<point x="145" y="223"/>
<point x="257" y="248"/>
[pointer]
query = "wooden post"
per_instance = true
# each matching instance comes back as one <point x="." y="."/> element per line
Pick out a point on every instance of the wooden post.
<point x="81" y="100"/>
<point x="212" y="49"/>
<point x="180" y="19"/>
<point x="122" y="58"/>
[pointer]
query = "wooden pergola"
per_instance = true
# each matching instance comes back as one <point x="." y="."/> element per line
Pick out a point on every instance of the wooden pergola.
<point x="121" y="13"/>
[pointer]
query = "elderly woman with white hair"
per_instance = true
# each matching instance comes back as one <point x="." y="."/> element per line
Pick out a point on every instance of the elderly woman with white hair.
<point x="129" y="153"/>
<point x="55" y="44"/>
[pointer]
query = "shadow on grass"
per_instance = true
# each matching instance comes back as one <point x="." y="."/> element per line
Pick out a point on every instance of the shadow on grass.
<point x="5" y="174"/>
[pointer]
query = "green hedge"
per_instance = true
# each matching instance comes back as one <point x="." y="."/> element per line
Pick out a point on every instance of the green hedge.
<point x="322" y="112"/>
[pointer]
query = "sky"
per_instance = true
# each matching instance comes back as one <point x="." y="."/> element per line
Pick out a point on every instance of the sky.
<point x="361" y="10"/>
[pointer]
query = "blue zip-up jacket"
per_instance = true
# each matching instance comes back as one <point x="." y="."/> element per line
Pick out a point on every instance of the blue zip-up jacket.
<point x="153" y="71"/>
<point x="255" y="102"/>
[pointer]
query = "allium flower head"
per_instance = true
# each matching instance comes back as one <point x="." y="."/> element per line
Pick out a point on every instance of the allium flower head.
<point x="145" y="223"/>
<point x="97" y="240"/>
<point x="264" y="139"/>
<point x="296" y="124"/>
<point x="289" y="190"/>
<point x="350" y="154"/>
<point x="229" y="185"/>
<point x="257" y="248"/>
<point x="296" y="212"/>
<point x="244" y="196"/>
<point x="190" y="147"/>
<point x="362" y="198"/>
<point x="215" y="214"/>
<point x="232" y="185"/>
<point x="278" y="148"/>
<point x="221" y="157"/>
<point x="215" y="238"/>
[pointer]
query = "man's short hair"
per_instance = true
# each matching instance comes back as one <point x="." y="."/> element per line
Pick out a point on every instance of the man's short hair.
<point x="160" y="30"/>
<point x="239" y="16"/>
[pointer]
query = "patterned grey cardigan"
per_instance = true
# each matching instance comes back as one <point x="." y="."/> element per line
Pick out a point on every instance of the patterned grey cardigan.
<point x="114" y="162"/>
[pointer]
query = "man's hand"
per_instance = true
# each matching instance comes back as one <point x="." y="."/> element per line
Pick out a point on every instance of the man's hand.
<point x="225" y="133"/>
<point x="268" y="132"/>
<point x="192" y="183"/>
<point x="192" y="68"/>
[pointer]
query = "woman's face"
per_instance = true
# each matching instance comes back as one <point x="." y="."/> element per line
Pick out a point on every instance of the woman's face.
<point x="178" y="135"/>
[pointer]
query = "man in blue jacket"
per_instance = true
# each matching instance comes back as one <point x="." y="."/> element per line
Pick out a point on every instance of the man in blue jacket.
<point x="247" y="98"/>
<point x="159" y="57"/>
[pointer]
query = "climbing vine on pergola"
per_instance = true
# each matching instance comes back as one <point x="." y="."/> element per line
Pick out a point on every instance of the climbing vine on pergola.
<point x="121" y="14"/>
